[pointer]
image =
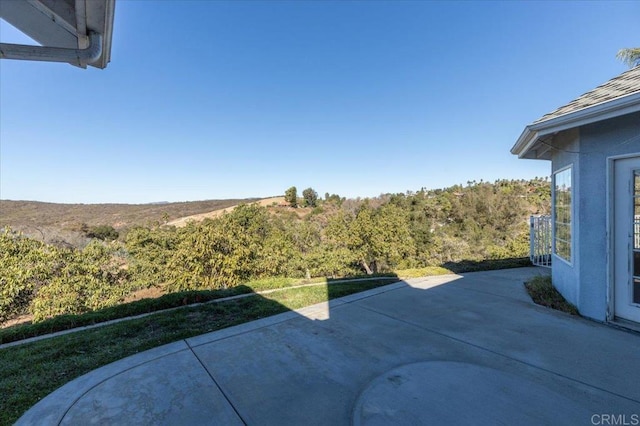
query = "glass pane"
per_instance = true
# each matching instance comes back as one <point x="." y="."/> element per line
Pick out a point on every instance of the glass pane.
<point x="563" y="232"/>
<point x="636" y="264"/>
<point x="636" y="291"/>
<point x="636" y="212"/>
<point x="562" y="213"/>
<point x="563" y="249"/>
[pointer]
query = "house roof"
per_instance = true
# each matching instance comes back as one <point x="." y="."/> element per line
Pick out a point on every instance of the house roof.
<point x="625" y="84"/>
<point x="618" y="96"/>
<point x="74" y="31"/>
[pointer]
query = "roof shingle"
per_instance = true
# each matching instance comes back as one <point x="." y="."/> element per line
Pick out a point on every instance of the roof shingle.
<point x="625" y="84"/>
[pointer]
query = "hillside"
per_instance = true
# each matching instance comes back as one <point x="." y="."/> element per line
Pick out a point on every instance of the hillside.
<point x="35" y="213"/>
<point x="265" y="202"/>
<point x="53" y="222"/>
<point x="336" y="238"/>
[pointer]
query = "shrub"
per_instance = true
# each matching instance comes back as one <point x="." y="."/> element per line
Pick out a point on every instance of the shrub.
<point x="83" y="281"/>
<point x="102" y="232"/>
<point x="544" y="293"/>
<point x="25" y="265"/>
<point x="149" y="252"/>
<point x="291" y="196"/>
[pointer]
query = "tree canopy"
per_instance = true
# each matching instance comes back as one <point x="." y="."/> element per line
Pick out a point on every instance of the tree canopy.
<point x="310" y="197"/>
<point x="339" y="237"/>
<point x="291" y="196"/>
<point x="630" y="56"/>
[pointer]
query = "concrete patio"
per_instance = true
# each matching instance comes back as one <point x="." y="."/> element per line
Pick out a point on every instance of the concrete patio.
<point x="455" y="349"/>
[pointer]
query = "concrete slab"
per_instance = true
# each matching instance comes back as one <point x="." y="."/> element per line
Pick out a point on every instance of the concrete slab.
<point x="492" y="283"/>
<point x="442" y="350"/>
<point x="541" y="337"/>
<point x="51" y="410"/>
<point x="455" y="393"/>
<point x="172" y="390"/>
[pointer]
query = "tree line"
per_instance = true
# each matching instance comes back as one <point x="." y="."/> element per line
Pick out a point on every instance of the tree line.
<point x="337" y="237"/>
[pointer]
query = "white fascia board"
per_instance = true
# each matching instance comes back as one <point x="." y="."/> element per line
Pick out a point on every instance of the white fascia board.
<point x="99" y="18"/>
<point x="109" y="15"/>
<point x="523" y="142"/>
<point x="533" y="132"/>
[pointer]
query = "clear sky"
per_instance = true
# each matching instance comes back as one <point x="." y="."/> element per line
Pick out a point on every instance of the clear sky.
<point x="215" y="99"/>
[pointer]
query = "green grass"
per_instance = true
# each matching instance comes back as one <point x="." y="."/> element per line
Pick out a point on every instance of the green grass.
<point x="280" y="282"/>
<point x="486" y="265"/>
<point x="66" y="322"/>
<point x="543" y="293"/>
<point x="31" y="371"/>
<point x="167" y="301"/>
<point x="422" y="272"/>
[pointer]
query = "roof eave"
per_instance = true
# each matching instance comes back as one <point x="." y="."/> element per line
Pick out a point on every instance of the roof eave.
<point x="63" y="28"/>
<point x="105" y="16"/>
<point x="532" y="133"/>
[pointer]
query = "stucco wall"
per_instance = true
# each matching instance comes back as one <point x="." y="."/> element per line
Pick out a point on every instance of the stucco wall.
<point x="565" y="274"/>
<point x="598" y="142"/>
<point x="584" y="281"/>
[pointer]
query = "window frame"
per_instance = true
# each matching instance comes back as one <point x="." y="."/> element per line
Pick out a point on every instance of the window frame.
<point x="566" y="221"/>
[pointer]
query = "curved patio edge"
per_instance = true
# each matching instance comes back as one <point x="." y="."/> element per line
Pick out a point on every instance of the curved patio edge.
<point x="52" y="409"/>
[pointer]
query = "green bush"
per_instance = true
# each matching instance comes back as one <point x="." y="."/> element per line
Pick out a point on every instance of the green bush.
<point x="102" y="232"/>
<point x="219" y="253"/>
<point x="86" y="280"/>
<point x="25" y="266"/>
<point x="149" y="251"/>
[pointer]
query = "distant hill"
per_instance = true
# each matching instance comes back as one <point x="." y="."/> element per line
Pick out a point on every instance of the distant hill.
<point x="54" y="222"/>
<point x="266" y="202"/>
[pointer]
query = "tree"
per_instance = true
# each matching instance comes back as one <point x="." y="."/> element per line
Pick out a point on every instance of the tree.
<point x="630" y="56"/>
<point x="379" y="238"/>
<point x="310" y="197"/>
<point x="25" y="265"/>
<point x="338" y="258"/>
<point x="278" y="255"/>
<point x="149" y="252"/>
<point x="84" y="280"/>
<point x="220" y="252"/>
<point x="333" y="198"/>
<point x="291" y="196"/>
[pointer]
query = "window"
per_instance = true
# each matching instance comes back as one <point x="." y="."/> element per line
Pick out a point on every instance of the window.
<point x="562" y="214"/>
<point x="636" y="237"/>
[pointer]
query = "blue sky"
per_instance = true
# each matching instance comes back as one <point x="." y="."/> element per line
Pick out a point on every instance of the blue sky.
<point x="206" y="100"/>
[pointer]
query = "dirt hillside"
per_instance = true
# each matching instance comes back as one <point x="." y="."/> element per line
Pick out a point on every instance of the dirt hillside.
<point x="180" y="222"/>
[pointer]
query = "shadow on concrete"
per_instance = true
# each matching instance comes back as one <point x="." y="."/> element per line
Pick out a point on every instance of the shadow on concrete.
<point x="27" y="332"/>
<point x="450" y="349"/>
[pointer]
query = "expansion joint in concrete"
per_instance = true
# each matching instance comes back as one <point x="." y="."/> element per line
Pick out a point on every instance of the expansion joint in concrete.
<point x="217" y="384"/>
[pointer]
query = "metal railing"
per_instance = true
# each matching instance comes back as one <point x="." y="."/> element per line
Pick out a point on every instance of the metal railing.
<point x="540" y="238"/>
